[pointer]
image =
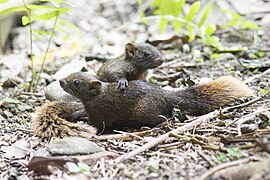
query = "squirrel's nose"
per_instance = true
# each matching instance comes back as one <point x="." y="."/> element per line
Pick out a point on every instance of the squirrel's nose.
<point x="62" y="82"/>
<point x="160" y="60"/>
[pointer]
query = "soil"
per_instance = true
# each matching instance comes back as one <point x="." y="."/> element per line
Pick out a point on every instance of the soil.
<point x="103" y="29"/>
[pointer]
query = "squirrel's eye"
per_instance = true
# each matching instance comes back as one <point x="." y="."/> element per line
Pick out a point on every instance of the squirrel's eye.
<point x="76" y="82"/>
<point x="146" y="54"/>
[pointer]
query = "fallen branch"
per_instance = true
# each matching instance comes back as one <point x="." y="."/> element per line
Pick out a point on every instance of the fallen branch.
<point x="156" y="141"/>
<point x="257" y="76"/>
<point x="248" y="117"/>
<point x="209" y="173"/>
<point x="245" y="104"/>
<point x="124" y="136"/>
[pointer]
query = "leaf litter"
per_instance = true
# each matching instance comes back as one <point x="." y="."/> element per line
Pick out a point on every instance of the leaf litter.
<point x="220" y="144"/>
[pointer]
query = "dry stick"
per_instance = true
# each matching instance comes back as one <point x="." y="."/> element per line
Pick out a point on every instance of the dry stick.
<point x="207" y="174"/>
<point x="131" y="134"/>
<point x="124" y="136"/>
<point x="164" y="137"/>
<point x="257" y="76"/>
<point x="204" y="156"/>
<point x="243" y="105"/>
<point x="248" y="117"/>
<point x="246" y="104"/>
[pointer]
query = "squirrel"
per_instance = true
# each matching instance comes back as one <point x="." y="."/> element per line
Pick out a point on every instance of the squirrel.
<point x="132" y="65"/>
<point x="139" y="105"/>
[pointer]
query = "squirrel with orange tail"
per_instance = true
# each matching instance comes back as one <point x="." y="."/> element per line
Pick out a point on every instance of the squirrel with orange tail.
<point x="140" y="104"/>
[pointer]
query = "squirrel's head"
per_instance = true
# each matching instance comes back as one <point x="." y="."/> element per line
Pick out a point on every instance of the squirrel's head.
<point x="81" y="85"/>
<point x="144" y="56"/>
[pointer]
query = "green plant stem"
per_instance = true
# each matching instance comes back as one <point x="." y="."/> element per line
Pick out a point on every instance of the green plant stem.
<point x="31" y="48"/>
<point x="47" y="50"/>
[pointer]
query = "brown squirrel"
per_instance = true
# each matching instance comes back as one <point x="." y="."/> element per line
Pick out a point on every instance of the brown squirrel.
<point x="132" y="65"/>
<point x="139" y="105"/>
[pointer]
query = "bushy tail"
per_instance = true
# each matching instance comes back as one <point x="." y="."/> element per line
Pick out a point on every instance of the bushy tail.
<point x="204" y="98"/>
<point x="54" y="119"/>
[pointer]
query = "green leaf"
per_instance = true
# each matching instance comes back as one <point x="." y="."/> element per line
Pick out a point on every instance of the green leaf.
<point x="40" y="33"/>
<point x="220" y="158"/>
<point x="263" y="91"/>
<point x="13" y="9"/>
<point x="73" y="168"/>
<point x="25" y="20"/>
<point x="57" y="1"/>
<point x="179" y="6"/>
<point x="163" y="24"/>
<point x="191" y="35"/>
<point x="177" y="25"/>
<point x="23" y="107"/>
<point x="248" y="25"/>
<point x="236" y="153"/>
<point x="153" y="165"/>
<point x="33" y="6"/>
<point x="68" y="24"/>
<point x="50" y="15"/>
<point x="3" y="1"/>
<point x="210" y="29"/>
<point x="84" y="168"/>
<point x="10" y="100"/>
<point x="193" y="11"/>
<point x="205" y="15"/>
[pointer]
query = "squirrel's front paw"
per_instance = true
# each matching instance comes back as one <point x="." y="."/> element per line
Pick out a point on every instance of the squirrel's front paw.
<point x="122" y="83"/>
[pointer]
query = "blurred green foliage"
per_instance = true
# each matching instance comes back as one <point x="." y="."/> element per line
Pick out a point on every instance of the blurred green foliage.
<point x="193" y="22"/>
<point x="48" y="12"/>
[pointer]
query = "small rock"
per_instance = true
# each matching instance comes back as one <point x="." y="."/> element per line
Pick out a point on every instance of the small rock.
<point x="247" y="128"/>
<point x="74" y="66"/>
<point x="7" y="113"/>
<point x="12" y="82"/>
<point x="73" y="146"/>
<point x="55" y="92"/>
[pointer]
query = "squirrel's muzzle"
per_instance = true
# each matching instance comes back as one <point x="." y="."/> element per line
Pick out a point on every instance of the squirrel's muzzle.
<point x="62" y="82"/>
<point x="159" y="61"/>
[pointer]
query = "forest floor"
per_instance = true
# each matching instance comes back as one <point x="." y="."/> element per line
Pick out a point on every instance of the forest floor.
<point x="232" y="143"/>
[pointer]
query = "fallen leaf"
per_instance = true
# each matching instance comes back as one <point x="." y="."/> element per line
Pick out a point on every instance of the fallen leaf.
<point x="17" y="150"/>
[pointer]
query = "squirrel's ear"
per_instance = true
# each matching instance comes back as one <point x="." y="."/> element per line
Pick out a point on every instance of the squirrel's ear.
<point x="96" y="84"/>
<point x="131" y="48"/>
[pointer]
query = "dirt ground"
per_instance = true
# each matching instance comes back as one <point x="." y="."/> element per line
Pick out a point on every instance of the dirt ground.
<point x="234" y="143"/>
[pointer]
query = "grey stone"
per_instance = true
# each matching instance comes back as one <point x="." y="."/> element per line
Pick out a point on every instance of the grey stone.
<point x="55" y="92"/>
<point x="73" y="146"/>
<point x="75" y="65"/>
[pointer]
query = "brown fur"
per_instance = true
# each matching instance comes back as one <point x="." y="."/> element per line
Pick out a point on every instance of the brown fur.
<point x="132" y="65"/>
<point x="203" y="98"/>
<point x="142" y="103"/>
<point x="51" y="120"/>
<point x="139" y="105"/>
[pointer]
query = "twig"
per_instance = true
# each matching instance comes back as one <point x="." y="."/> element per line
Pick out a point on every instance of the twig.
<point x="31" y="93"/>
<point x="244" y="119"/>
<point x="131" y="134"/>
<point x="206" y="158"/>
<point x="245" y="104"/>
<point x="125" y="136"/>
<point x="210" y="172"/>
<point x="169" y="145"/>
<point x="257" y="76"/>
<point x="164" y="137"/>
